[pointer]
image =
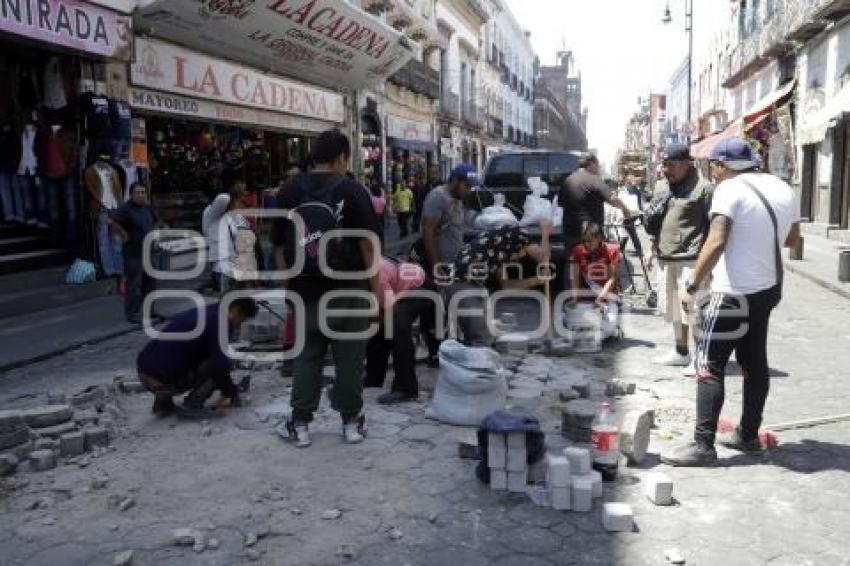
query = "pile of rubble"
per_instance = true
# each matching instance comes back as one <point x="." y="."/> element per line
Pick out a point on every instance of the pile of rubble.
<point x="36" y="438"/>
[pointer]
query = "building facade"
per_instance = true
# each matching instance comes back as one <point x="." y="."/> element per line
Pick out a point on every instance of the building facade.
<point x="560" y="118"/>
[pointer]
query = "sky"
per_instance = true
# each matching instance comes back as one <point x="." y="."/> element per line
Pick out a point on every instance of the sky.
<point x="621" y="48"/>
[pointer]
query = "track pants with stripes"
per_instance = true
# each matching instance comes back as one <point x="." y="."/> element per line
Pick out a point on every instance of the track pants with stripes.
<point x="736" y="323"/>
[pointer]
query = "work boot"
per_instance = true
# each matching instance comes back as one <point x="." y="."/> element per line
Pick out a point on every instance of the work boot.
<point x="735" y="441"/>
<point x="354" y="431"/>
<point x="395" y="397"/>
<point x="691" y="455"/>
<point x="298" y="433"/>
<point x="163" y="405"/>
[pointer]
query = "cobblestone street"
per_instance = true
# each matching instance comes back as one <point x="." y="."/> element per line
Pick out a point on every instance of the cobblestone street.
<point x="405" y="497"/>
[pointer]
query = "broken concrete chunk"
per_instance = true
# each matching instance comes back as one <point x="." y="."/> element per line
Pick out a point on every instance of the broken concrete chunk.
<point x="634" y="436"/>
<point x="579" y="460"/>
<point x="618" y="517"/>
<point x="96" y="436"/>
<point x="250" y="539"/>
<point x="130" y="386"/>
<point x="345" y="551"/>
<point x="55" y="431"/>
<point x="72" y="443"/>
<point x="252" y="554"/>
<point x="674" y="556"/>
<point x="91" y="396"/>
<point x="47" y="415"/>
<point x="568" y="394"/>
<point x="14" y="438"/>
<point x="331" y="514"/>
<point x="186" y="536"/>
<point x="10" y="421"/>
<point x="8" y="464"/>
<point x="86" y="417"/>
<point x="394" y="533"/>
<point x="123" y="558"/>
<point x="41" y="460"/>
<point x="126" y="504"/>
<point x="46" y="444"/>
<point x="213" y="544"/>
<point x="659" y="489"/>
<point x="618" y="388"/>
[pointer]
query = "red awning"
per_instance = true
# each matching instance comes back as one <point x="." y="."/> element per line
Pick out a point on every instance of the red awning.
<point x="702" y="149"/>
<point x="768" y="104"/>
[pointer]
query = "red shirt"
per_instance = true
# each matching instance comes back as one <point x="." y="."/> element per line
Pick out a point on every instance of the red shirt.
<point x="595" y="266"/>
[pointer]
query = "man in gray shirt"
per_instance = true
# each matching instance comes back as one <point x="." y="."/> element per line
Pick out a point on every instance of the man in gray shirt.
<point x="442" y="218"/>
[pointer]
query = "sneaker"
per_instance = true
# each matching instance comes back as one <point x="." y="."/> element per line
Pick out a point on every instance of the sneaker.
<point x="673" y="359"/>
<point x="735" y="441"/>
<point x="690" y="370"/>
<point x="355" y="431"/>
<point x="691" y="455"/>
<point x="298" y="432"/>
<point x="394" y="397"/>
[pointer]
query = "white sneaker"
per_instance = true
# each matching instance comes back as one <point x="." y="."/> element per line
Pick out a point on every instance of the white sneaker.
<point x="298" y="433"/>
<point x="355" y="432"/>
<point x="673" y="359"/>
<point x="690" y="370"/>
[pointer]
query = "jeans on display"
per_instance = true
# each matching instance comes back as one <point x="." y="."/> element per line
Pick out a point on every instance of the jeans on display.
<point x="23" y="190"/>
<point x="110" y="245"/>
<point x="7" y="197"/>
<point x="61" y="198"/>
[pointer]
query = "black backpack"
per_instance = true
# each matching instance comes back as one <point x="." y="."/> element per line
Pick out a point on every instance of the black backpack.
<point x="320" y="209"/>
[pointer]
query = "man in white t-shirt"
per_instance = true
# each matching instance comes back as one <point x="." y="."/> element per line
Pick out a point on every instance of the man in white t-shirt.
<point x="753" y="215"/>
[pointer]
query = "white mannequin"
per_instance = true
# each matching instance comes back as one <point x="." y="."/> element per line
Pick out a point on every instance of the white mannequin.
<point x="29" y="162"/>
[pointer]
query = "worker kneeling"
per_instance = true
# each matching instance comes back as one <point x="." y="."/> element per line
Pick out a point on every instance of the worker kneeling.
<point x="594" y="277"/>
<point x="170" y="366"/>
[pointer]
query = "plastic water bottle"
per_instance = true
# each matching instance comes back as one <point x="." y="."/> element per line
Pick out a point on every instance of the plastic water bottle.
<point x="605" y="436"/>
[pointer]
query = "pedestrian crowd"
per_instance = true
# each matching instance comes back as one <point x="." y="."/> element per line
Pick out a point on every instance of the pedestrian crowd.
<point x="717" y="248"/>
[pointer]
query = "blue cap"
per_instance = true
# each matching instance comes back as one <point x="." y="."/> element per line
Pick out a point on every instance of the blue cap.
<point x="734" y="153"/>
<point x="465" y="173"/>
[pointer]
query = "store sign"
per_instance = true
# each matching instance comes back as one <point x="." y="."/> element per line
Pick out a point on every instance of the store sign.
<point x="327" y="42"/>
<point x="169" y="68"/>
<point x="405" y="129"/>
<point x="160" y="102"/>
<point x="70" y="23"/>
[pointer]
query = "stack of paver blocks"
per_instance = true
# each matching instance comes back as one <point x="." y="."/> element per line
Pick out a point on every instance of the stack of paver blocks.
<point x="572" y="484"/>
<point x="507" y="459"/>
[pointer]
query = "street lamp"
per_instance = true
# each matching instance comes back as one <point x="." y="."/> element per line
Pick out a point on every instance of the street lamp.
<point x="689" y="27"/>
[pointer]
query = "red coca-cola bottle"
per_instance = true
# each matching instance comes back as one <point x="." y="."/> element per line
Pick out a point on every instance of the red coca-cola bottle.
<point x="605" y="436"/>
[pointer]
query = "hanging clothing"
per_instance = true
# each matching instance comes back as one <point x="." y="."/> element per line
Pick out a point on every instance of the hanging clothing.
<point x="129" y="175"/>
<point x="95" y="108"/>
<point x="54" y="84"/>
<point x="120" y="119"/>
<point x="58" y="153"/>
<point x="104" y="187"/>
<point x="28" y="164"/>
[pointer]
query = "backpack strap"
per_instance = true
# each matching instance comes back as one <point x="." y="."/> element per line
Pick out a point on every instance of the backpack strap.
<point x="307" y="191"/>
<point x="780" y="274"/>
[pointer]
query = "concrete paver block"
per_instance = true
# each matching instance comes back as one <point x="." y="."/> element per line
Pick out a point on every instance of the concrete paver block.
<point x="634" y="435"/>
<point x="517" y="481"/>
<point x="72" y="443"/>
<point x="497" y="451"/>
<point x="47" y="415"/>
<point x="498" y="479"/>
<point x="659" y="488"/>
<point x="579" y="460"/>
<point x="8" y="464"/>
<point x="41" y="460"/>
<point x="582" y="494"/>
<point x="517" y="460"/>
<point x="595" y="479"/>
<point x="10" y="421"/>
<point x="123" y="558"/>
<point x="46" y="444"/>
<point x="537" y="471"/>
<point x="561" y="498"/>
<point x="96" y="436"/>
<point x="86" y="417"/>
<point x="55" y="431"/>
<point x="22" y="451"/>
<point x="558" y="471"/>
<point x="618" y="517"/>
<point x="14" y="438"/>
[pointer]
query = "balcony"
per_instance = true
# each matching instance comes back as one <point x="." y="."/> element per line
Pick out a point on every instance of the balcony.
<point x="792" y="21"/>
<point x="450" y="105"/>
<point x="496" y="127"/>
<point x="418" y="78"/>
<point x="473" y="115"/>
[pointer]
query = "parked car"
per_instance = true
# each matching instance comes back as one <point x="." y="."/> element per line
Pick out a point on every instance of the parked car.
<point x="508" y="173"/>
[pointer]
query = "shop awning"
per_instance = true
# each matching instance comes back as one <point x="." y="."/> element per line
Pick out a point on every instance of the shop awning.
<point x="324" y="42"/>
<point x="814" y="127"/>
<point x="702" y="149"/>
<point x="768" y="104"/>
<point x="411" y="145"/>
